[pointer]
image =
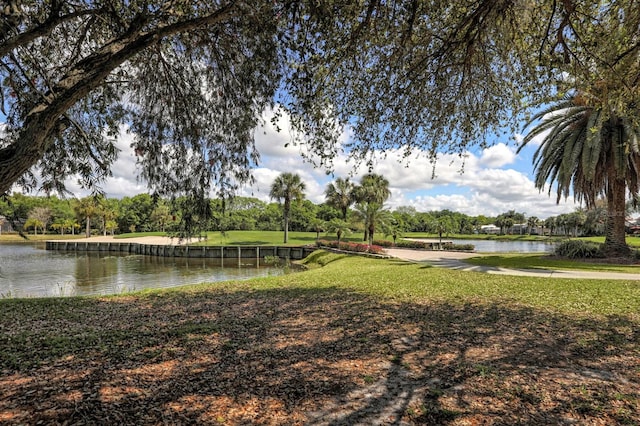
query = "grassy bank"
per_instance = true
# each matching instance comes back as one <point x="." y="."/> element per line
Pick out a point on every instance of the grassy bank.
<point x="543" y="261"/>
<point x="16" y="238"/>
<point x="353" y="340"/>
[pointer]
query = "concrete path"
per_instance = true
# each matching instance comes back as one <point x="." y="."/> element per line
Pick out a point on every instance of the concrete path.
<point x="455" y="260"/>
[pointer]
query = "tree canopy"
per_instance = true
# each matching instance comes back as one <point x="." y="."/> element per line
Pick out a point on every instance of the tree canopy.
<point x="191" y="79"/>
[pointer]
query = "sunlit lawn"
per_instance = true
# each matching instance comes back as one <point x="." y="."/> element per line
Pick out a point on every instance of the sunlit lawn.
<point x="16" y="238"/>
<point x="232" y="238"/>
<point x="633" y="241"/>
<point x="543" y="261"/>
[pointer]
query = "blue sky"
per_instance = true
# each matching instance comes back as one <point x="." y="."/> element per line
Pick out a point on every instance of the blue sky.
<point x="494" y="180"/>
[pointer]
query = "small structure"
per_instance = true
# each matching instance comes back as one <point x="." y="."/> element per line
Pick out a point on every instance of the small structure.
<point x="489" y="229"/>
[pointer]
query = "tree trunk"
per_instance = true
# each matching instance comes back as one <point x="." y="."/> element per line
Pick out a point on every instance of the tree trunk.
<point x="286" y="223"/>
<point x="615" y="244"/>
<point x="88" y="227"/>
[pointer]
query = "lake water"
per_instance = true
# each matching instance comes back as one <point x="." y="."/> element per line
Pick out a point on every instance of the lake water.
<point x="494" y="246"/>
<point x="28" y="270"/>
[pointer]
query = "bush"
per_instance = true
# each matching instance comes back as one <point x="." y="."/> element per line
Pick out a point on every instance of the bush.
<point x="411" y="244"/>
<point x="459" y="247"/>
<point x="578" y="249"/>
<point x="353" y="247"/>
<point x="383" y="243"/>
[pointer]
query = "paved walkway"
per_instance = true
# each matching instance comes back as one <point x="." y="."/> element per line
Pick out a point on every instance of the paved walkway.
<point x="455" y="260"/>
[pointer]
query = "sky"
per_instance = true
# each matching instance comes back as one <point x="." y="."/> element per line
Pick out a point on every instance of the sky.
<point x="494" y="180"/>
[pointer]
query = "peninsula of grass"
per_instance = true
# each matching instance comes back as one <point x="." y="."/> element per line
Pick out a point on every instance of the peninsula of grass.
<point x="544" y="261"/>
<point x="351" y="341"/>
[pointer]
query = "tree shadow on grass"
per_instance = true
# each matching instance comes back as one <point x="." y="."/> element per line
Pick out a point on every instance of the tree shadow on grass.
<point x="319" y="357"/>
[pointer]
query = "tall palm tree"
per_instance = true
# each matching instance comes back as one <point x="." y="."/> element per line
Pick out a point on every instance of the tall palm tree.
<point x="533" y="223"/>
<point x="285" y="188"/>
<point x="373" y="189"/>
<point x="591" y="151"/>
<point x="340" y="195"/>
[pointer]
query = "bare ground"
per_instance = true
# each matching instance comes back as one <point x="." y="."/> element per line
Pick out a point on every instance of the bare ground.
<point x="316" y="357"/>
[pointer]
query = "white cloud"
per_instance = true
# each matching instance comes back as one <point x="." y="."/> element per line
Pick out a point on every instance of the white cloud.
<point x="498" y="156"/>
<point x="473" y="184"/>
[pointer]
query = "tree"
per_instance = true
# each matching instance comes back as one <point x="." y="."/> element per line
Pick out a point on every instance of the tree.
<point x="339" y="195"/>
<point x="550" y="224"/>
<point x="339" y="227"/>
<point x="34" y="223"/>
<point x="374" y="190"/>
<point x="161" y="216"/>
<point x="590" y="151"/>
<point x="317" y="225"/>
<point x="39" y="217"/>
<point x="192" y="79"/>
<point x="86" y="208"/>
<point x="286" y="188"/>
<point x="533" y="222"/>
<point x="108" y="212"/>
<point x="442" y="225"/>
<point x="374" y="216"/>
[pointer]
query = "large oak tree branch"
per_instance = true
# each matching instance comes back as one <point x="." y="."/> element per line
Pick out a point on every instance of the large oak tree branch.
<point x="43" y="120"/>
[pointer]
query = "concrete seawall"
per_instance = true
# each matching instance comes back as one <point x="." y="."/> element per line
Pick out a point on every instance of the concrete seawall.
<point x="212" y="252"/>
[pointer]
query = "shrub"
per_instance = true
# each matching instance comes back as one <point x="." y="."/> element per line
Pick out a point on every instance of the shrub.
<point x="411" y="244"/>
<point x="383" y="243"/>
<point x="353" y="247"/>
<point x="459" y="247"/>
<point x="578" y="249"/>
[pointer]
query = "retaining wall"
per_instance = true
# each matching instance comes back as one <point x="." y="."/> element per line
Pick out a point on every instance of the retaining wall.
<point x="213" y="252"/>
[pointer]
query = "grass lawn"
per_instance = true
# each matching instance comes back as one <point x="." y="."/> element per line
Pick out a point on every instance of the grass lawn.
<point x="16" y="238"/>
<point x="351" y="341"/>
<point x="252" y="238"/>
<point x="633" y="241"/>
<point x="543" y="261"/>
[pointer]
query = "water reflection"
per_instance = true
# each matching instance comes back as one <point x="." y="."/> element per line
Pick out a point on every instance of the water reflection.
<point x="498" y="246"/>
<point x="30" y="271"/>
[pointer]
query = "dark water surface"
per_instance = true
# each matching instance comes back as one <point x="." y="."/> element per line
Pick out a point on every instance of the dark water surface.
<point x="28" y="270"/>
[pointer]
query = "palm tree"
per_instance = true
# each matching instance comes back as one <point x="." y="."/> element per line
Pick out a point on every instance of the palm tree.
<point x="338" y="227"/>
<point x="591" y="151"/>
<point x="339" y="195"/>
<point x="373" y="189"/>
<point x="442" y="225"/>
<point x="533" y="223"/>
<point x="287" y="187"/>
<point x="550" y="224"/>
<point x="372" y="215"/>
<point x="317" y="225"/>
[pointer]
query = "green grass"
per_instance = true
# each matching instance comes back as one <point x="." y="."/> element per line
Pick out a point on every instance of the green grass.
<point x="394" y="279"/>
<point x="542" y="261"/>
<point x="16" y="238"/>
<point x="233" y="238"/>
<point x="633" y="241"/>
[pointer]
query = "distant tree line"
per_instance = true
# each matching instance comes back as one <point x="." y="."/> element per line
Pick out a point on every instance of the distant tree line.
<point x="349" y="207"/>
